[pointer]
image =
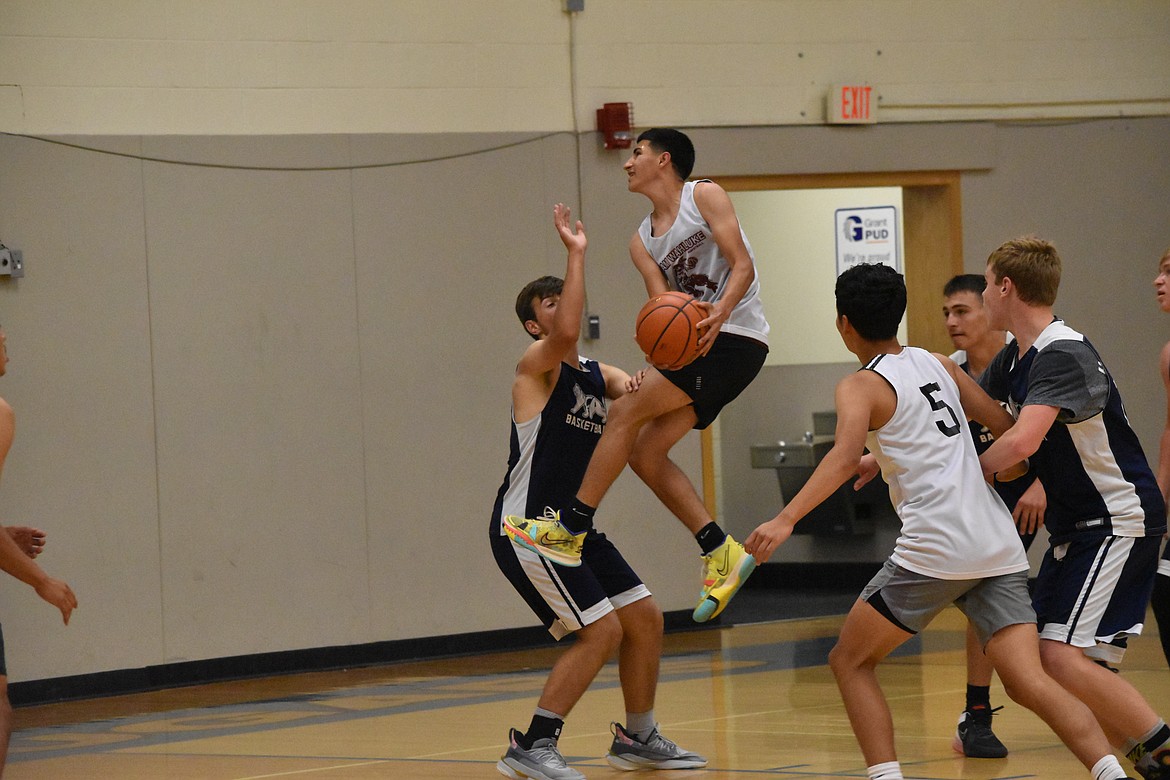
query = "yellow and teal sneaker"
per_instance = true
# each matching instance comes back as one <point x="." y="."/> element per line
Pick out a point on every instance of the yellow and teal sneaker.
<point x="725" y="569"/>
<point x="546" y="537"/>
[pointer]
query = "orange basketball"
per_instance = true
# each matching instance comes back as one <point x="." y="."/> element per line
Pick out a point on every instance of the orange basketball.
<point x="667" y="329"/>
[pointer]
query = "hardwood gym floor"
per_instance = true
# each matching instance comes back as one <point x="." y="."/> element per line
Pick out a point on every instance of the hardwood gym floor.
<point x="756" y="698"/>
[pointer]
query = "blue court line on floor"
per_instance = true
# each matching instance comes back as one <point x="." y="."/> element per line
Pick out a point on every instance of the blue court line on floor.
<point x="236" y="719"/>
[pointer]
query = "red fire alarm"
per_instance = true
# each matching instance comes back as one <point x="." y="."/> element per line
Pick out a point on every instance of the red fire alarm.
<point x="614" y="121"/>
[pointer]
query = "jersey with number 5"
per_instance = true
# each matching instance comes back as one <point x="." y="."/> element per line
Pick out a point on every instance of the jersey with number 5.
<point x="954" y="526"/>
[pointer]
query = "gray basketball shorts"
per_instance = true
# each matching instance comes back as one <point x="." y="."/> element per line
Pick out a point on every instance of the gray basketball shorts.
<point x="910" y="601"/>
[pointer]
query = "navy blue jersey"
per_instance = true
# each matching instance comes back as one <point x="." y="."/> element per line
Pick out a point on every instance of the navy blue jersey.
<point x="982" y="437"/>
<point x="1092" y="465"/>
<point x="550" y="452"/>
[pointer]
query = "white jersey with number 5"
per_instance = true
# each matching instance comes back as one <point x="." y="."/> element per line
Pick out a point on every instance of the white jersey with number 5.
<point x="954" y="526"/>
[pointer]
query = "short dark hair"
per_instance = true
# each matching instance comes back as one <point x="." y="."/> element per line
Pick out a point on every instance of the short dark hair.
<point x="973" y="283"/>
<point x="537" y="289"/>
<point x="873" y="297"/>
<point x="676" y="143"/>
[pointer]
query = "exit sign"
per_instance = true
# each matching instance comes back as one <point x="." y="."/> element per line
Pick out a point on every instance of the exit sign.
<point x="851" y="104"/>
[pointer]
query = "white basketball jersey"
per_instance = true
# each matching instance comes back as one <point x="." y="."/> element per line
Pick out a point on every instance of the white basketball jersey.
<point x="954" y="526"/>
<point x="691" y="261"/>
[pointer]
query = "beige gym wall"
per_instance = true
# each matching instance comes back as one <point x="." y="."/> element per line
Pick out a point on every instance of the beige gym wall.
<point x="224" y="67"/>
<point x="262" y="350"/>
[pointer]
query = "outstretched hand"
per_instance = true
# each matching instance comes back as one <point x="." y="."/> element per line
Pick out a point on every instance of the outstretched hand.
<point x="59" y="594"/>
<point x="31" y="541"/>
<point x="572" y="240"/>
<point x="763" y="541"/>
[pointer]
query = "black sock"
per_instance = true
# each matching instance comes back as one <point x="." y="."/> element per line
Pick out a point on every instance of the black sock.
<point x="978" y="696"/>
<point x="541" y="727"/>
<point x="710" y="537"/>
<point x="578" y="518"/>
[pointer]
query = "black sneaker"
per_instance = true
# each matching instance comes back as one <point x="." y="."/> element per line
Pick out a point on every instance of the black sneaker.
<point x="974" y="737"/>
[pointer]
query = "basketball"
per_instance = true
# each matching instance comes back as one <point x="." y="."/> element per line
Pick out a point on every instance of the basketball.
<point x="667" y="329"/>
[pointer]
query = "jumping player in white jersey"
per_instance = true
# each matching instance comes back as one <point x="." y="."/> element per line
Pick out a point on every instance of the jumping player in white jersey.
<point x="1160" y="601"/>
<point x="958" y="543"/>
<point x="558" y="413"/>
<point x="1105" y="517"/>
<point x="691" y="242"/>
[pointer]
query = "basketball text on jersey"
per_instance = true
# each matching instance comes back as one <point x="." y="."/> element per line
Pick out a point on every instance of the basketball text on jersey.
<point x="586" y="412"/>
<point x="683" y="278"/>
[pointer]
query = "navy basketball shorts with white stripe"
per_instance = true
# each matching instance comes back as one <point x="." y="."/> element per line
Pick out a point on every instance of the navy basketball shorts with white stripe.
<point x="1093" y="592"/>
<point x="565" y="598"/>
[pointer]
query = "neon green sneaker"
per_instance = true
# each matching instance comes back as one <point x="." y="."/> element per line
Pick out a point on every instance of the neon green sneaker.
<point x="725" y="569"/>
<point x="546" y="537"/>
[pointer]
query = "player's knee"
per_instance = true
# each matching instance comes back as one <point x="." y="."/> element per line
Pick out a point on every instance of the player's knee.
<point x="1059" y="660"/>
<point x="605" y="635"/>
<point x="1027" y="690"/>
<point x="628" y="411"/>
<point x="646" y="462"/>
<point x="843" y="662"/>
<point x="643" y="618"/>
<point x="621" y="410"/>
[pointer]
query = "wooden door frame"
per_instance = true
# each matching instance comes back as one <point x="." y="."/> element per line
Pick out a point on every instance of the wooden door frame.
<point x="932" y="240"/>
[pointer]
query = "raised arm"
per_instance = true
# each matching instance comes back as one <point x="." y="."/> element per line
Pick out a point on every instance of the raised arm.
<point x="548" y="353"/>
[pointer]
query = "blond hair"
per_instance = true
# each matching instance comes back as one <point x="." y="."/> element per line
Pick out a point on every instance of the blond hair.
<point x="1032" y="264"/>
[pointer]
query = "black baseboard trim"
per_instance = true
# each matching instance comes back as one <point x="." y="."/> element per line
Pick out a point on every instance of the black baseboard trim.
<point x="175" y="675"/>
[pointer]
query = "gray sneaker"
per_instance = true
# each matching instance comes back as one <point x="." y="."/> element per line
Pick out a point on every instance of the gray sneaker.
<point x="657" y="752"/>
<point x="542" y="762"/>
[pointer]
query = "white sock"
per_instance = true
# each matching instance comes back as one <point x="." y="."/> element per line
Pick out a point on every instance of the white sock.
<point x="1108" y="768"/>
<point x="891" y="770"/>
